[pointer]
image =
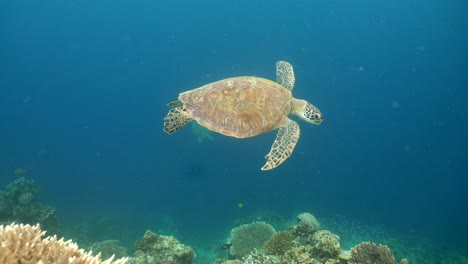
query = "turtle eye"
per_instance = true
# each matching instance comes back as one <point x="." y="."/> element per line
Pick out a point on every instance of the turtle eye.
<point x="317" y="116"/>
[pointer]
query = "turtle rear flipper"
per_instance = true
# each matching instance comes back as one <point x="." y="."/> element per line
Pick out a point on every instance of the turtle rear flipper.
<point x="176" y="119"/>
<point x="284" y="144"/>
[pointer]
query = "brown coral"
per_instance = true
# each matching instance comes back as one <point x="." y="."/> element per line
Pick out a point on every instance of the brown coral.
<point x="279" y="243"/>
<point x="25" y="244"/>
<point x="371" y="253"/>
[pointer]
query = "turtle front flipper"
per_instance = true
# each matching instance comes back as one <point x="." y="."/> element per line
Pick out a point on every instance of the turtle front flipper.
<point x="285" y="74"/>
<point x="284" y="144"/>
<point x="176" y="119"/>
<point x="175" y="104"/>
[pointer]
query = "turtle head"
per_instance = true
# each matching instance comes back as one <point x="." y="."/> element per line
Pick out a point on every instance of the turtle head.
<point x="307" y="111"/>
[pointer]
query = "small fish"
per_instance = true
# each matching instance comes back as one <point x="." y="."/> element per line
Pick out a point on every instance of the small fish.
<point x="19" y="171"/>
<point x="226" y="246"/>
<point x="240" y="205"/>
<point x="27" y="99"/>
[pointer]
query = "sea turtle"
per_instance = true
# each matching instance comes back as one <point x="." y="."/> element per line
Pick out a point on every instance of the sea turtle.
<point x="247" y="106"/>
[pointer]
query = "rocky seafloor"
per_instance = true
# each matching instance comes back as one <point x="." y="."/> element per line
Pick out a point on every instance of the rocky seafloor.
<point x="304" y="240"/>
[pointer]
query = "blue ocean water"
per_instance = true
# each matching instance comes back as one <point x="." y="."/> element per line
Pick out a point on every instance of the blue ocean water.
<point x="84" y="87"/>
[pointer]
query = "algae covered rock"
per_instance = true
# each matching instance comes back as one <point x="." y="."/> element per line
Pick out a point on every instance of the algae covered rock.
<point x="154" y="248"/>
<point x="248" y="237"/>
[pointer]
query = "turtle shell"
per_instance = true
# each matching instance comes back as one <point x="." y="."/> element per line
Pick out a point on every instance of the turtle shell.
<point x="239" y="107"/>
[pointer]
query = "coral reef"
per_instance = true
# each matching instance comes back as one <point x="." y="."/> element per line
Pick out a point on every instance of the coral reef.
<point x="371" y="253"/>
<point x="279" y="243"/>
<point x="19" y="204"/>
<point x="307" y="254"/>
<point x="109" y="248"/>
<point x="154" y="248"/>
<point x="299" y="254"/>
<point x="246" y="238"/>
<point x="325" y="244"/>
<point x="25" y="244"/>
<point x="302" y="243"/>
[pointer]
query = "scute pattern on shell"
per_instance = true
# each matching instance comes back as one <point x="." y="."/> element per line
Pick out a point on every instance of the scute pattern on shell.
<point x="239" y="107"/>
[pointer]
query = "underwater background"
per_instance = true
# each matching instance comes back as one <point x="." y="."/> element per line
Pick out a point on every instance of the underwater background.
<point x="84" y="87"/>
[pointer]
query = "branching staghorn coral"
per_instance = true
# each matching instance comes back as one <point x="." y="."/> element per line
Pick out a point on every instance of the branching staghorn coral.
<point x="25" y="244"/>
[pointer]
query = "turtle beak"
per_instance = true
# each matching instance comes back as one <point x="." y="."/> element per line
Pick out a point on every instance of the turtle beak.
<point x="312" y="114"/>
<point x="317" y="118"/>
